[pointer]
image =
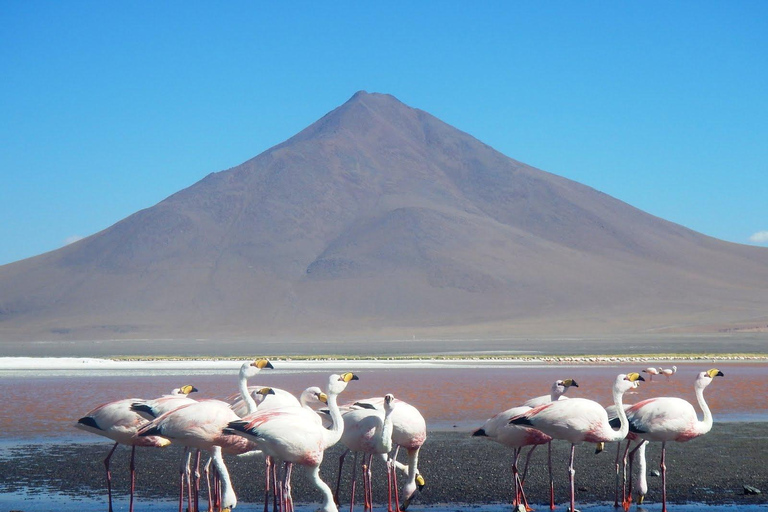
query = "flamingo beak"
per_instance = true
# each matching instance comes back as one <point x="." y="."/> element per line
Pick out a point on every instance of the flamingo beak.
<point x="322" y="397"/>
<point x="266" y="391"/>
<point x="262" y="363"/>
<point x="632" y="377"/>
<point x="570" y="382"/>
<point x="714" y="372"/>
<point x="640" y="499"/>
<point x="188" y="389"/>
<point x="346" y="377"/>
<point x="599" y="447"/>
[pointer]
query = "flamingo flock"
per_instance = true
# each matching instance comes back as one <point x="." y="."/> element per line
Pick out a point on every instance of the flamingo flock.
<point x="284" y="431"/>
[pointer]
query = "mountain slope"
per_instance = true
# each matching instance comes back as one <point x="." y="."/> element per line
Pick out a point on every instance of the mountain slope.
<point x="381" y="217"/>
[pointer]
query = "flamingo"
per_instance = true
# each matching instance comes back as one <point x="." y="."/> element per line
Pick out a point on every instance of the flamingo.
<point x="651" y="372"/>
<point x="198" y="425"/>
<point x="151" y="409"/>
<point x="498" y="428"/>
<point x="368" y="431"/>
<point x="281" y="398"/>
<point x="664" y="419"/>
<point x="288" y="435"/>
<point x="578" y="420"/>
<point x="116" y="421"/>
<point x="409" y="431"/>
<point x="559" y="387"/>
<point x="668" y="372"/>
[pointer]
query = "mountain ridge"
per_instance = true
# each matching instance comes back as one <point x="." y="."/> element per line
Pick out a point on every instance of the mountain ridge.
<point x="379" y="216"/>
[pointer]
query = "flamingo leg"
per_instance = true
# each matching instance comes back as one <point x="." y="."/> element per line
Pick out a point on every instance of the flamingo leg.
<point x="394" y="481"/>
<point x="109" y="475"/>
<point x="133" y="476"/>
<point x="664" y="476"/>
<point x="183" y="468"/>
<point x="338" y="480"/>
<point x="551" y="478"/>
<point x="197" y="481"/>
<point x="571" y="477"/>
<point x="368" y="483"/>
<point x="268" y="466"/>
<point x="289" y="497"/>
<point x="207" y="473"/>
<point x="354" y="483"/>
<point x="627" y="491"/>
<point x="617" y="468"/>
<point x="527" y="460"/>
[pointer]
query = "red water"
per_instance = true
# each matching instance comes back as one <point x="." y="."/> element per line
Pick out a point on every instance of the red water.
<point x="447" y="397"/>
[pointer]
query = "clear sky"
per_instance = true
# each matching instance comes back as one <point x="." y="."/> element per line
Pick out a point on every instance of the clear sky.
<point x="109" y="107"/>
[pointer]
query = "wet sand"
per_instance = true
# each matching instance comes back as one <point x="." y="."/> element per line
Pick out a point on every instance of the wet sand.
<point x="459" y="469"/>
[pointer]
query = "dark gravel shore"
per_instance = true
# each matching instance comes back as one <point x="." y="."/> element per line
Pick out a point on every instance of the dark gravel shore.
<point x="458" y="469"/>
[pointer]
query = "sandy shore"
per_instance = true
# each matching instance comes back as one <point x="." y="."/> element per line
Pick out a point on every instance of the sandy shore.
<point x="457" y="467"/>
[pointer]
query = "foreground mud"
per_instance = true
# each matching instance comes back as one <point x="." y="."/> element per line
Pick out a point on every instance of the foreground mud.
<point x="458" y="469"/>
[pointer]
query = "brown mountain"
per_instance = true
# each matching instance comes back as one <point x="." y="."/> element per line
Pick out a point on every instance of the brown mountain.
<point x="380" y="218"/>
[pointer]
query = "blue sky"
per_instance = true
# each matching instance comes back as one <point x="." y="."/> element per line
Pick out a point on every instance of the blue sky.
<point x="107" y="108"/>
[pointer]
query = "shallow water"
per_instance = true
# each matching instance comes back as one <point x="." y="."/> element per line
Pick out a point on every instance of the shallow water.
<point x="34" y="502"/>
<point x="450" y="395"/>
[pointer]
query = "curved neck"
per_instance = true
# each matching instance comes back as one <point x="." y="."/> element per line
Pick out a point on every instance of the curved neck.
<point x="556" y="393"/>
<point x="618" y="435"/>
<point x="228" y="498"/>
<point x="333" y="434"/>
<point x="250" y="403"/>
<point x="706" y="425"/>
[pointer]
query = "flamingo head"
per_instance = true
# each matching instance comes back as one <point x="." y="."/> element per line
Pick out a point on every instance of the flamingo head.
<point x="626" y="382"/>
<point x="185" y="390"/>
<point x="251" y="368"/>
<point x="411" y="488"/>
<point x="389" y="401"/>
<point x="704" y="379"/>
<point x="338" y="383"/>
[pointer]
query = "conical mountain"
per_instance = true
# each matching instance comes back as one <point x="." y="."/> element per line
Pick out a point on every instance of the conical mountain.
<point x="381" y="218"/>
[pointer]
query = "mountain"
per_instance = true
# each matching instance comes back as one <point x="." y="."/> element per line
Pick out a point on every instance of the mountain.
<point x="381" y="219"/>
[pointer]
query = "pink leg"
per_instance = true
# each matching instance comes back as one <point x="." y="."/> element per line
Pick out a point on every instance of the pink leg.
<point x="207" y="472"/>
<point x="354" y="483"/>
<point x="109" y="475"/>
<point x="268" y="466"/>
<point x="571" y="477"/>
<point x="183" y="468"/>
<point x="394" y="481"/>
<point x="338" y="479"/>
<point x="133" y="476"/>
<point x="551" y="479"/>
<point x="367" y="483"/>
<point x="197" y="481"/>
<point x="664" y="476"/>
<point x="618" y="472"/>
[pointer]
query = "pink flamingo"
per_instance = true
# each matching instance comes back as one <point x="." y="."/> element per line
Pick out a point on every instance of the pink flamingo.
<point x="116" y="421"/>
<point x="664" y="419"/>
<point x="580" y="420"/>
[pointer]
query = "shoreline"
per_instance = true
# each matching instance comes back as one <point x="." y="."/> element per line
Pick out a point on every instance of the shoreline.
<point x="457" y="467"/>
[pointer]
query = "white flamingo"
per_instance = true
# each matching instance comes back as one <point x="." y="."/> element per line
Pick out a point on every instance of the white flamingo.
<point x="368" y="431"/>
<point x="580" y="420"/>
<point x="409" y="431"/>
<point x="668" y="372"/>
<point x="559" y="387"/>
<point x="198" y="426"/>
<point x="151" y="409"/>
<point x="497" y="428"/>
<point x="116" y="421"/>
<point x="651" y="371"/>
<point x="289" y="435"/>
<point x="664" y="419"/>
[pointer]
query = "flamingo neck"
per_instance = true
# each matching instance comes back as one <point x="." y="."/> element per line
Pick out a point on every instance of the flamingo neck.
<point x="333" y="434"/>
<point x="704" y="426"/>
<point x="556" y="393"/>
<point x="228" y="497"/>
<point x="385" y="439"/>
<point x="618" y="435"/>
<point x="250" y="403"/>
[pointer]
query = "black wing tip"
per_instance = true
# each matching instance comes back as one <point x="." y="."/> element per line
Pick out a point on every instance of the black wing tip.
<point x="479" y="433"/>
<point x="150" y="431"/>
<point x="88" y="421"/>
<point x="365" y="405"/>
<point x="520" y="420"/>
<point x="140" y="407"/>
